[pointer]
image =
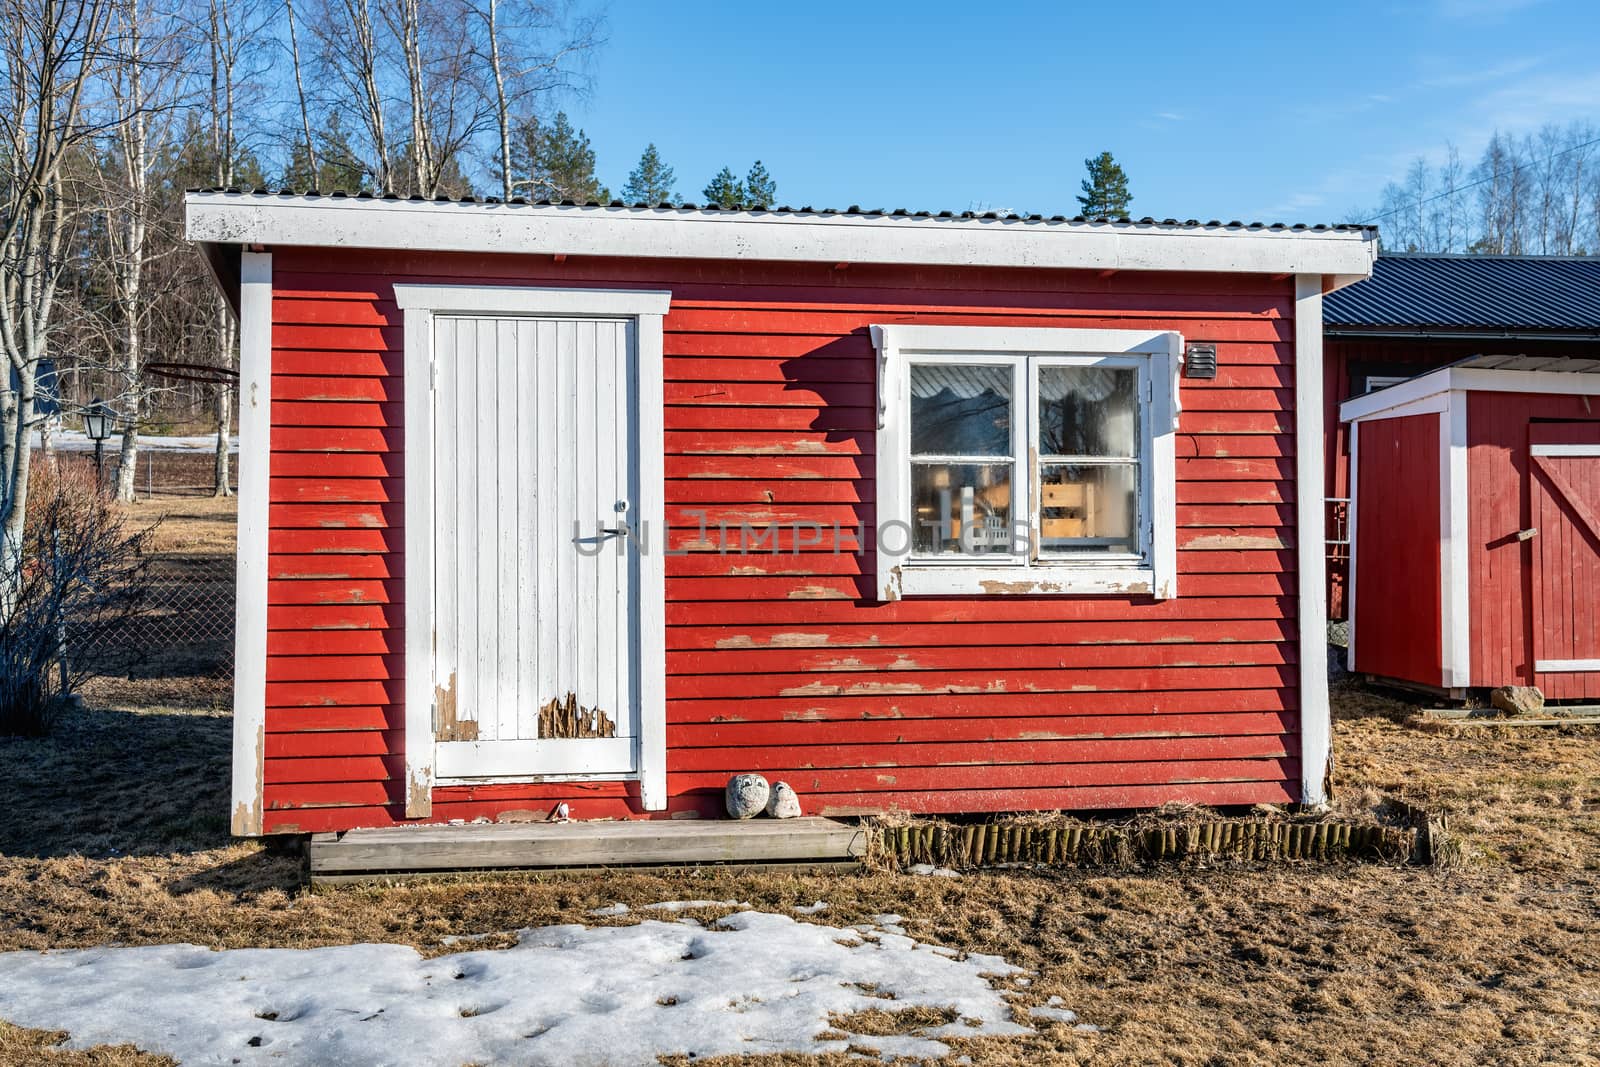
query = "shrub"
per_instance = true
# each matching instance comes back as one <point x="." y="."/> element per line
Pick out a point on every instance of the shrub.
<point x="78" y="582"/>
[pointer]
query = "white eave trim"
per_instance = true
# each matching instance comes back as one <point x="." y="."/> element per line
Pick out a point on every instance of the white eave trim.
<point x="1341" y="256"/>
<point x="1411" y="397"/>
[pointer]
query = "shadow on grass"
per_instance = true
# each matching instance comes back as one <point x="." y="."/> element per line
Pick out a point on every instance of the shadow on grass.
<point x="263" y="869"/>
<point x="118" y="782"/>
<point x="1353" y="699"/>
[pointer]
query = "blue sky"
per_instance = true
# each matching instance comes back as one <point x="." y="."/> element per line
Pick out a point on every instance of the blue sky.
<point x="1291" y="111"/>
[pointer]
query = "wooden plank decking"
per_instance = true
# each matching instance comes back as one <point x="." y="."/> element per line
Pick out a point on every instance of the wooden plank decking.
<point x="406" y="850"/>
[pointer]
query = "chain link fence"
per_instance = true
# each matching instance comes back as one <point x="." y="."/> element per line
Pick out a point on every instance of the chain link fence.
<point x="179" y="650"/>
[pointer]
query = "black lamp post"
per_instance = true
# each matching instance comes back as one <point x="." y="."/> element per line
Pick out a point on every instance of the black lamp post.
<point x="97" y="420"/>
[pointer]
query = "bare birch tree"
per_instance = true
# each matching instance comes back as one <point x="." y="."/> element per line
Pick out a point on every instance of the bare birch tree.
<point x="351" y="63"/>
<point x="233" y="29"/>
<point x="300" y="94"/>
<point x="50" y="51"/>
<point x="530" y="50"/>
<point x="143" y="80"/>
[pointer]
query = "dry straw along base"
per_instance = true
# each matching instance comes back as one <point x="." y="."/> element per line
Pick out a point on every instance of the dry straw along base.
<point x="1149" y="839"/>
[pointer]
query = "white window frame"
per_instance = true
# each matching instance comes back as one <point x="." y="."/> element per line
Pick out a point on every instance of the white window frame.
<point x="1157" y="354"/>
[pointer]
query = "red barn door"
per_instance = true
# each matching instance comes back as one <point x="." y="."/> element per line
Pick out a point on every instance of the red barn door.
<point x="1564" y="491"/>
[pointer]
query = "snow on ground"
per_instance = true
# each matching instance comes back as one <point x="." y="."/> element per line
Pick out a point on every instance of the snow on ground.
<point x="1054" y="1011"/>
<point x="78" y="441"/>
<point x="688" y="905"/>
<point x="751" y="983"/>
<point x="928" y="870"/>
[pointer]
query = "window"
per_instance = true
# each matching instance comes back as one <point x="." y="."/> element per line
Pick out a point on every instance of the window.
<point x="1025" y="460"/>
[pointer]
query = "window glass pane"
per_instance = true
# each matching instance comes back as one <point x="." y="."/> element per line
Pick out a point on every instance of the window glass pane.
<point x="960" y="411"/>
<point x="961" y="508"/>
<point x="1088" y="411"/>
<point x="1088" y="508"/>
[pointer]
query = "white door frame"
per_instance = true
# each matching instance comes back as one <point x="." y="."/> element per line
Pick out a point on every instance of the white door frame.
<point x="647" y="308"/>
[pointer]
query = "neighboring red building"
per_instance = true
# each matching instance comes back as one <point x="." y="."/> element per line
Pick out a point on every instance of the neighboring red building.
<point x="1421" y="311"/>
<point x="600" y="505"/>
<point x="1476" y="511"/>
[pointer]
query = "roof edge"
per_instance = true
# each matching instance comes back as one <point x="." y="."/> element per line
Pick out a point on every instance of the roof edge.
<point x="781" y="234"/>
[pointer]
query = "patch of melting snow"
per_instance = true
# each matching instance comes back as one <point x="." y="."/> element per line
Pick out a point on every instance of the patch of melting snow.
<point x="1053" y="1010"/>
<point x="610" y="910"/>
<point x="750" y="983"/>
<point x="816" y="908"/>
<point x="689" y="905"/>
<point x="928" y="870"/>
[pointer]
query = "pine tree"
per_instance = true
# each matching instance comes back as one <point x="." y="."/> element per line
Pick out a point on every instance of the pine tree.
<point x="759" y="189"/>
<point x="338" y="170"/>
<point x="1105" y="190"/>
<point x="725" y="190"/>
<point x="651" y="182"/>
<point x="554" y="161"/>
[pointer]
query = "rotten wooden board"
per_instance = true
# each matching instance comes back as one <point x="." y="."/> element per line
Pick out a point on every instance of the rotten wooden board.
<point x="585" y="844"/>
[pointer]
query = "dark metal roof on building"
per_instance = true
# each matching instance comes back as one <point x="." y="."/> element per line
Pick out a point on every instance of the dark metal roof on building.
<point x="852" y="210"/>
<point x="1471" y="294"/>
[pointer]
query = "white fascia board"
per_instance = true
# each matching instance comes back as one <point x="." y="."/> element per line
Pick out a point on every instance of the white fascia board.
<point x="1373" y="404"/>
<point x="254" y="219"/>
<point x="1561" y="383"/>
<point x="1382" y="403"/>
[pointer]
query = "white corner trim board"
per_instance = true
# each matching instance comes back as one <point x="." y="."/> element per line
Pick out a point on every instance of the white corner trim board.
<point x="1454" y="557"/>
<point x="250" y="606"/>
<point x="323" y="222"/>
<point x="1311" y="535"/>
<point x="420" y="304"/>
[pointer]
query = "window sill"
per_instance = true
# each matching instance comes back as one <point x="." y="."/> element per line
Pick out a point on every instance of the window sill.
<point x="910" y="579"/>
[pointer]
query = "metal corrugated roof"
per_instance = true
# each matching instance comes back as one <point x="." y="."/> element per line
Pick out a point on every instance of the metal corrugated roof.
<point x="1472" y="293"/>
<point x="852" y="210"/>
<point x="1551" y="364"/>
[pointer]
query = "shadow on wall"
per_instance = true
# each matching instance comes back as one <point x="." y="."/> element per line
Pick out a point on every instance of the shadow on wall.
<point x="837" y="383"/>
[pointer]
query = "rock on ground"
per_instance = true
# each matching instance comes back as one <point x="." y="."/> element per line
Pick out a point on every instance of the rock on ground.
<point x="783" y="804"/>
<point x="1518" y="699"/>
<point x="746" y="796"/>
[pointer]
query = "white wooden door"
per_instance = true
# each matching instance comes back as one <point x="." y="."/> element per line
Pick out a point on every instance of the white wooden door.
<point x="536" y="577"/>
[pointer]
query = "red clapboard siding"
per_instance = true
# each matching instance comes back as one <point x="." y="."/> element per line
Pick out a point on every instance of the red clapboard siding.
<point x="956" y="635"/>
<point x="1152" y="706"/>
<point x="768" y="661"/>
<point x="1397" y="547"/>
<point x="962" y="752"/>
<point x="778" y="660"/>
<point x="1219" y="728"/>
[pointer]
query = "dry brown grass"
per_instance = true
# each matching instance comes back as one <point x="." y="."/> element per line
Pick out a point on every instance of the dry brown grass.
<point x="1496" y="961"/>
<point x="200" y="525"/>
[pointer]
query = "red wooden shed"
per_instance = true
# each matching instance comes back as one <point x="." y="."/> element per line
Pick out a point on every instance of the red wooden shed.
<point x="602" y="504"/>
<point x="1476" y="527"/>
<point x="1424" y="310"/>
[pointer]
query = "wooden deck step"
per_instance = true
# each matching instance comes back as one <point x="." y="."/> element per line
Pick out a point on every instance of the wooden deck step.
<point x="402" y="850"/>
